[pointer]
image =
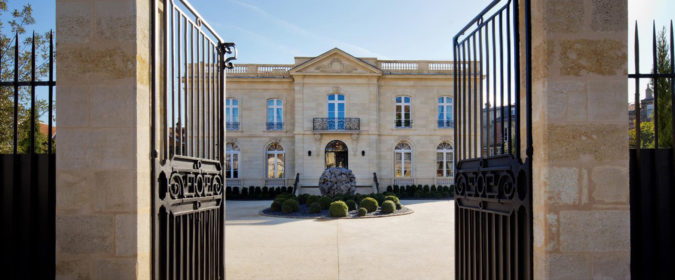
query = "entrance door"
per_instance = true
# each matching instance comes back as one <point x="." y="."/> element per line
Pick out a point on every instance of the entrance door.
<point x="188" y="236"/>
<point x="493" y="140"/>
<point x="336" y="154"/>
<point x="336" y="112"/>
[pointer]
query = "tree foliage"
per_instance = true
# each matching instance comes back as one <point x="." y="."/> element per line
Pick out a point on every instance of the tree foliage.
<point x="12" y="23"/>
<point x="646" y="136"/>
<point x="663" y="90"/>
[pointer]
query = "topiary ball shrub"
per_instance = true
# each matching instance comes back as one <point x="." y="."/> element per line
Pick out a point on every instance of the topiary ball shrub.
<point x="351" y="204"/>
<point x="302" y="199"/>
<point x="325" y="202"/>
<point x="369" y="203"/>
<point x="338" y="209"/>
<point x="290" y="206"/>
<point x="315" y="208"/>
<point x="276" y="206"/>
<point x="392" y="198"/>
<point x="338" y="197"/>
<point x="363" y="211"/>
<point x="311" y="199"/>
<point x="388" y="207"/>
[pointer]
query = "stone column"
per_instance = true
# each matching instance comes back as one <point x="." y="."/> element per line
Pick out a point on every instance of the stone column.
<point x="580" y="132"/>
<point x="103" y="210"/>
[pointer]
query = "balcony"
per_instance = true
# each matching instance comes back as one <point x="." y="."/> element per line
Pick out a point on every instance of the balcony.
<point x="336" y="125"/>
<point x="275" y="126"/>
<point x="446" y="124"/>
<point x="229" y="126"/>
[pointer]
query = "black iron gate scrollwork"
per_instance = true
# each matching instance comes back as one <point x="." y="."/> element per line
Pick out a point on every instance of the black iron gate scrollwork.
<point x="493" y="136"/>
<point x="188" y="132"/>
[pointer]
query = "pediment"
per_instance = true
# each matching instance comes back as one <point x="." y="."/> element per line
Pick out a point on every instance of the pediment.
<point x="335" y="62"/>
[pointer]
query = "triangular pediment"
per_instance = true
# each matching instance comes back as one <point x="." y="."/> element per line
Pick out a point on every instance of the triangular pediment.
<point x="335" y="62"/>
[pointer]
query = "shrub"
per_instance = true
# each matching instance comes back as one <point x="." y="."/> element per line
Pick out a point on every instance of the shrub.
<point x="303" y="198"/>
<point x="244" y="193"/>
<point x="392" y="198"/>
<point x="396" y="189"/>
<point x="433" y="188"/>
<point x="311" y="199"/>
<point x="315" y="208"/>
<point x="369" y="203"/>
<point x="363" y="211"/>
<point x="289" y="206"/>
<point x="388" y="207"/>
<point x="325" y="202"/>
<point x="265" y="192"/>
<point x="379" y="197"/>
<point x="282" y="197"/>
<point x="389" y="189"/>
<point x="338" y="209"/>
<point x="426" y="188"/>
<point x="351" y="204"/>
<point x="338" y="197"/>
<point x="276" y="206"/>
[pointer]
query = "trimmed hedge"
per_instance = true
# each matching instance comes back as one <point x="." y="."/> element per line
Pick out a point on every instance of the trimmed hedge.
<point x="388" y="207"/>
<point x="369" y="203"/>
<point x="338" y="209"/>
<point x="351" y="204"/>
<point x="315" y="208"/>
<point x="325" y="202"/>
<point x="255" y="193"/>
<point x="276" y="206"/>
<point x="363" y="211"/>
<point x="422" y="191"/>
<point x="290" y="206"/>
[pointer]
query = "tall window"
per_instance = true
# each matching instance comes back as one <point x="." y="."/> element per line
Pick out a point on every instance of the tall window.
<point x="403" y="160"/>
<point x="403" y="116"/>
<point x="232" y="161"/>
<point x="445" y="112"/>
<point x="275" y="161"/>
<point x="275" y="114"/>
<point x="232" y="114"/>
<point x="336" y="111"/>
<point x="444" y="160"/>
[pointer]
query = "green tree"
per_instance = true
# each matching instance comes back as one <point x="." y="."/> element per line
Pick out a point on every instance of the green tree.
<point x="646" y="136"/>
<point x="663" y="91"/>
<point x="11" y="23"/>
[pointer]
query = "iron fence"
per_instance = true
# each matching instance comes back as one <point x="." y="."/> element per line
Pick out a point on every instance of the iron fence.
<point x="27" y="185"/>
<point x="652" y="164"/>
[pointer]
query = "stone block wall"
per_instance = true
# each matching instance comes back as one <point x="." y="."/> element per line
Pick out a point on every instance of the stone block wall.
<point x="580" y="131"/>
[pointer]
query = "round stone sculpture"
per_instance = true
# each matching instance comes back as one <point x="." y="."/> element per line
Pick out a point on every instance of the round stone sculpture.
<point x="337" y="180"/>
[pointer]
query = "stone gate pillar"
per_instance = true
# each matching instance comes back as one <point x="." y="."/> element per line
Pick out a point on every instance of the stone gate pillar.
<point x="103" y="156"/>
<point x="580" y="132"/>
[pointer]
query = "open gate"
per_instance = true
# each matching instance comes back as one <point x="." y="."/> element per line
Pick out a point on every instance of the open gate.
<point x="493" y="136"/>
<point x="188" y="135"/>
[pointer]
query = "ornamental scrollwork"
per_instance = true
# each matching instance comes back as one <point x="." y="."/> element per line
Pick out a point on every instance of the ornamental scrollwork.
<point x="194" y="184"/>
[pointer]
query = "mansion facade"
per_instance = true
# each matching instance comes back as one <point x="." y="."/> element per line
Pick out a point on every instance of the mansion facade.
<point x="390" y="121"/>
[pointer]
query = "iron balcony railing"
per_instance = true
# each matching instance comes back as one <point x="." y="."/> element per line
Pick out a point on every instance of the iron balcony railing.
<point x="275" y="125"/>
<point x="348" y="124"/>
<point x="403" y="123"/>
<point x="446" y="123"/>
<point x="232" y="126"/>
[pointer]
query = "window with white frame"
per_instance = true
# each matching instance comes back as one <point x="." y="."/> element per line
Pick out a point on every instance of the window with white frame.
<point x="232" y="161"/>
<point x="275" y="161"/>
<point x="445" y="112"/>
<point x="444" y="160"/>
<point x="403" y="114"/>
<point x="232" y="114"/>
<point x="403" y="160"/>
<point x="275" y="114"/>
<point x="336" y="111"/>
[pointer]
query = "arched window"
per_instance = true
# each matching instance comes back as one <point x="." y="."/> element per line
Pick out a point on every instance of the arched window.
<point x="403" y="160"/>
<point x="337" y="154"/>
<point x="336" y="111"/>
<point x="275" y="114"/>
<point x="444" y="160"/>
<point x="445" y="112"/>
<point x="232" y="161"/>
<point x="403" y="115"/>
<point x="275" y="161"/>
<point x="232" y="114"/>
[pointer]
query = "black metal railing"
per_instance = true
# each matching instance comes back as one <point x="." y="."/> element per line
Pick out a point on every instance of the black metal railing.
<point x="446" y="123"/>
<point x="275" y="125"/>
<point x="27" y="160"/>
<point x="652" y="157"/>
<point x="403" y="123"/>
<point x="349" y="124"/>
<point x="188" y="86"/>
<point x="295" y="184"/>
<point x="232" y="126"/>
<point x="493" y="195"/>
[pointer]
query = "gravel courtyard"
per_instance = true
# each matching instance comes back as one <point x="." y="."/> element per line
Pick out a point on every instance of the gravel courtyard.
<point x="415" y="246"/>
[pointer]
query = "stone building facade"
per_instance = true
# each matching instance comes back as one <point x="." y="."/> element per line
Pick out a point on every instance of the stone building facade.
<point x="390" y="118"/>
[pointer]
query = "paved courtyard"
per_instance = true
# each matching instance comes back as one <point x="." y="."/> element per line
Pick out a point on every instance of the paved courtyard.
<point x="415" y="246"/>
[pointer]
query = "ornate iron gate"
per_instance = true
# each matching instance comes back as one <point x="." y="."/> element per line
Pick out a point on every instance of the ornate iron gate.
<point x="188" y="144"/>
<point x="493" y="201"/>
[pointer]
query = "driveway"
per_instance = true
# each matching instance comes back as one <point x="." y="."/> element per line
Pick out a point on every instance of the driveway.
<point x="415" y="246"/>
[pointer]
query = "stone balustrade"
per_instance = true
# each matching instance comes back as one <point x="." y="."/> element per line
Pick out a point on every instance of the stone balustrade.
<point x="387" y="66"/>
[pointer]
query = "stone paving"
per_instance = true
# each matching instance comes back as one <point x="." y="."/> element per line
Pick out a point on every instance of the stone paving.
<point x="416" y="246"/>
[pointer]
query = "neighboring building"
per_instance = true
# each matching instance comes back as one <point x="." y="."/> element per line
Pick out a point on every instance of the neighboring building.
<point x="392" y="118"/>
<point x="646" y="109"/>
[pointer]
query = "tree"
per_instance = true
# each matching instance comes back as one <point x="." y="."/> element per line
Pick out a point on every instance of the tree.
<point x="11" y="24"/>
<point x="646" y="136"/>
<point x="663" y="91"/>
